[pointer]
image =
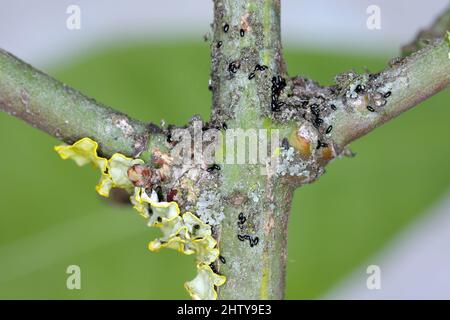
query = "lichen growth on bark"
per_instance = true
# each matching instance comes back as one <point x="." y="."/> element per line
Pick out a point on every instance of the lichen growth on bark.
<point x="186" y="232"/>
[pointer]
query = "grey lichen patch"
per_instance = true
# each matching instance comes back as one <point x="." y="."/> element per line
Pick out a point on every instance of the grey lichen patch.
<point x="190" y="185"/>
<point x="292" y="167"/>
<point x="255" y="195"/>
<point x="122" y="122"/>
<point x="289" y="165"/>
<point x="209" y="207"/>
<point x="194" y="183"/>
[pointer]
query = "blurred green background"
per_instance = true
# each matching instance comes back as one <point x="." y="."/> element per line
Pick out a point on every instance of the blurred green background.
<point x="51" y="216"/>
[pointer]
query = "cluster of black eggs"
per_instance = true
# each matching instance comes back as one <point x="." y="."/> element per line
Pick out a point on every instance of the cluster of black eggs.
<point x="234" y="66"/>
<point x="253" y="241"/>
<point x="317" y="122"/>
<point x="213" y="167"/>
<point x="257" y="68"/>
<point x="278" y="84"/>
<point x="361" y="89"/>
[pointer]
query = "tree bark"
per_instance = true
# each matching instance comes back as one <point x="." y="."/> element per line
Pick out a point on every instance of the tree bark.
<point x="246" y="55"/>
<point x="410" y="80"/>
<point x="251" y="91"/>
<point x="66" y="114"/>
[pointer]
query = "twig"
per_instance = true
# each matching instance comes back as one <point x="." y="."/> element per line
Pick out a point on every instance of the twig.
<point x="63" y="112"/>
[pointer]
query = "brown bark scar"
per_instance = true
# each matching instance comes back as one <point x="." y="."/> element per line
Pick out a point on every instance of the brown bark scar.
<point x="244" y="22"/>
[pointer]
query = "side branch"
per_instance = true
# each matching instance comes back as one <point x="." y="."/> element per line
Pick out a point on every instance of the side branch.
<point x="435" y="31"/>
<point x="408" y="81"/>
<point x="63" y="112"/>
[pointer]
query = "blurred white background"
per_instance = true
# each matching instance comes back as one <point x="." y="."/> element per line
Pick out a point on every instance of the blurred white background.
<point x="36" y="32"/>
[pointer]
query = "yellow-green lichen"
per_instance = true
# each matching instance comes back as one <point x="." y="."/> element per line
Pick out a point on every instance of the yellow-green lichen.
<point x="116" y="174"/>
<point x="83" y="151"/>
<point x="185" y="233"/>
<point x="200" y="288"/>
<point x="448" y="42"/>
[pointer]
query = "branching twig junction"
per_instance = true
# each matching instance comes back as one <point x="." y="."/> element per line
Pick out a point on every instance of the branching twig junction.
<point x="251" y="89"/>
